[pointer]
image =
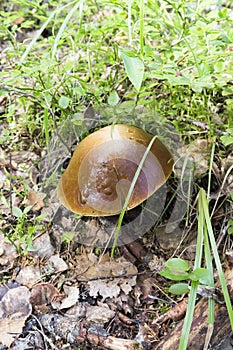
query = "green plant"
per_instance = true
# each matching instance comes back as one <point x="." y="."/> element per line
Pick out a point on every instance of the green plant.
<point x="22" y="230"/>
<point x="227" y="140"/>
<point x="178" y="269"/>
<point x="67" y="237"/>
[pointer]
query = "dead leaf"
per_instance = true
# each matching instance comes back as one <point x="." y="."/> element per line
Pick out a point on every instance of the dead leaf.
<point x="57" y="264"/>
<point x="35" y="199"/>
<point x="15" y="308"/>
<point x="33" y="340"/>
<point x="108" y="288"/>
<point x="72" y="297"/>
<point x="44" y="294"/>
<point x="198" y="152"/>
<point x="28" y="275"/>
<point x="62" y="326"/>
<point x="43" y="246"/>
<point x="117" y="267"/>
<point x="168" y="241"/>
<point x="99" y="315"/>
<point x="8" y="251"/>
<point x="84" y="262"/>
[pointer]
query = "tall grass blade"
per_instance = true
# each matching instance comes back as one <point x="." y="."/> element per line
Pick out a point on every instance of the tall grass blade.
<point x="141" y="18"/>
<point x="129" y="21"/>
<point x="194" y="285"/>
<point x="64" y="24"/>
<point x="40" y="31"/>
<point x="216" y="256"/>
<point x="210" y="168"/>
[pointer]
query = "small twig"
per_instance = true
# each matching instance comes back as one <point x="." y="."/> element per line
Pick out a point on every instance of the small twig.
<point x="162" y="300"/>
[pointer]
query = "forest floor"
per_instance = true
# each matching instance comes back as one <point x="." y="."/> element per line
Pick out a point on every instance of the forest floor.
<point x="68" y="69"/>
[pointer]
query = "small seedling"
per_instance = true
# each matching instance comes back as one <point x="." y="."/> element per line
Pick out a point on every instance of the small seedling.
<point x="179" y="270"/>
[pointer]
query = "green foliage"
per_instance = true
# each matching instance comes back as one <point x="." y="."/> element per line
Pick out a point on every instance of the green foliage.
<point x="177" y="55"/>
<point x="227" y="139"/>
<point x="205" y="236"/>
<point x="134" y="68"/>
<point x="178" y="270"/>
<point x="113" y="98"/>
<point x="22" y="233"/>
<point x="67" y="237"/>
<point x="230" y="227"/>
<point x="179" y="288"/>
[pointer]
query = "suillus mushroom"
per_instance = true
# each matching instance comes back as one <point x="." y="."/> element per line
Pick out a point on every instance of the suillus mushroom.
<point x="98" y="177"/>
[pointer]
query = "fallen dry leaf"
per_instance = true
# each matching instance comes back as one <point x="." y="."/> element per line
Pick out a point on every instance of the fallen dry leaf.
<point x="35" y="199"/>
<point x="57" y="264"/>
<point x="8" y="252"/>
<point x="106" y="289"/>
<point x="99" y="315"/>
<point x="44" y="294"/>
<point x="43" y="246"/>
<point x="72" y="297"/>
<point x="62" y="326"/>
<point x="15" y="308"/>
<point x="110" y="288"/>
<point x="28" y="275"/>
<point x="199" y="155"/>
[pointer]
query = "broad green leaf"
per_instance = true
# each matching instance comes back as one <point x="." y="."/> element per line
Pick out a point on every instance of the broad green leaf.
<point x="16" y="211"/>
<point x="67" y="237"/>
<point x="134" y="68"/>
<point x="176" y="264"/>
<point x="202" y="275"/>
<point x="227" y="140"/>
<point x="174" y="276"/>
<point x="230" y="228"/>
<point x="177" y="80"/>
<point x="63" y="102"/>
<point x="27" y="209"/>
<point x="179" y="288"/>
<point x="113" y="98"/>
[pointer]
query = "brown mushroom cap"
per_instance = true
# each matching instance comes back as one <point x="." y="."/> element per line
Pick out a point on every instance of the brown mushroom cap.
<point x="101" y="170"/>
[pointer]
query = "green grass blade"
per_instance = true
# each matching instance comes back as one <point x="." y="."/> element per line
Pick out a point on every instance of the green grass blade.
<point x="40" y="31"/>
<point x="64" y="24"/>
<point x="36" y="37"/>
<point x="209" y="265"/>
<point x="141" y="18"/>
<point x="188" y="317"/>
<point x="194" y="285"/>
<point x="129" y="21"/>
<point x="216" y="256"/>
<point x="46" y="126"/>
<point x="210" y="168"/>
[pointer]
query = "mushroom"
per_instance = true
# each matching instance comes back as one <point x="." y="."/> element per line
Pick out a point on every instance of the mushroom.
<point x="98" y="177"/>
